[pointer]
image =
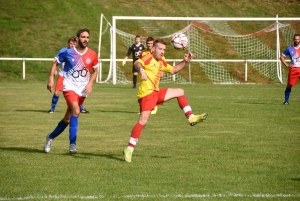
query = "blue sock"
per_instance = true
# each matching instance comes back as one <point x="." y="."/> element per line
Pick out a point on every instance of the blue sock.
<point x="287" y="94"/>
<point x="73" y="129"/>
<point x="54" y="101"/>
<point x="58" y="130"/>
<point x="81" y="107"/>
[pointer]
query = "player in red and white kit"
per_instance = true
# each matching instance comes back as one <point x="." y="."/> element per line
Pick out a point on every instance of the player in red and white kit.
<point x="80" y="71"/>
<point x="294" y="67"/>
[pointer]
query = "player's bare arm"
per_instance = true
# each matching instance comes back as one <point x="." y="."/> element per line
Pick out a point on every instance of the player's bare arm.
<point x="88" y="87"/>
<point x="282" y="59"/>
<point x="187" y="58"/>
<point x="139" y="67"/>
<point x="52" y="74"/>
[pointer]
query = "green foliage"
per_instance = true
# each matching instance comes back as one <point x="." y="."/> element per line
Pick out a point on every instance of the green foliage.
<point x="38" y="29"/>
<point x="248" y="145"/>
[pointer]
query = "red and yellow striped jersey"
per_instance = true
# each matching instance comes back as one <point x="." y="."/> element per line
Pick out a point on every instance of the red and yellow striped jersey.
<point x="152" y="69"/>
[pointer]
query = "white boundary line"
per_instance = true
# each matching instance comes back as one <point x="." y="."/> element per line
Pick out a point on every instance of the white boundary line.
<point x="240" y="195"/>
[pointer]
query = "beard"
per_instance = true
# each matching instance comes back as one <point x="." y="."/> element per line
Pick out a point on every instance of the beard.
<point x="82" y="44"/>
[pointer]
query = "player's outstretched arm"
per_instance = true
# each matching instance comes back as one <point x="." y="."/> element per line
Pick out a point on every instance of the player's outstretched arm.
<point x="52" y="74"/>
<point x="187" y="58"/>
<point x="139" y="67"/>
<point x="88" y="87"/>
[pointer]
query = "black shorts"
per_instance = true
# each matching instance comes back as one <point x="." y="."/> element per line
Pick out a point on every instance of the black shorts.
<point x="133" y="69"/>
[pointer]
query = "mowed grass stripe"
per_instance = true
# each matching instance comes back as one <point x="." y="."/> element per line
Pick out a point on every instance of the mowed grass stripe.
<point x="249" y="145"/>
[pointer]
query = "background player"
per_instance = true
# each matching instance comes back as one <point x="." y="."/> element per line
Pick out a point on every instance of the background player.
<point x="135" y="49"/>
<point x="293" y="52"/>
<point x="80" y="72"/>
<point x="60" y="79"/>
<point x="149" y="94"/>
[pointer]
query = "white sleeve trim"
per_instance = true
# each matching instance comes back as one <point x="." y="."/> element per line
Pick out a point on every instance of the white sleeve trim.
<point x="57" y="60"/>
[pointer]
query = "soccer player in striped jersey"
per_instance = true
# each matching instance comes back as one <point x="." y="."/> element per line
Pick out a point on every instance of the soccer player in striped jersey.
<point x="149" y="94"/>
<point x="135" y="49"/>
<point x="60" y="79"/>
<point x="293" y="52"/>
<point x="149" y="45"/>
<point x="80" y="72"/>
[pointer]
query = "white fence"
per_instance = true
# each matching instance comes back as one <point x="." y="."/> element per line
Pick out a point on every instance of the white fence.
<point x="24" y="62"/>
<point x="99" y="78"/>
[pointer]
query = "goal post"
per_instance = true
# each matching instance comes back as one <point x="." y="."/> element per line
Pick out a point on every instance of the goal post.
<point x="257" y="52"/>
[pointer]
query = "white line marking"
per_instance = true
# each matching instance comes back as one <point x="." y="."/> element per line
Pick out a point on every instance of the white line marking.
<point x="258" y="195"/>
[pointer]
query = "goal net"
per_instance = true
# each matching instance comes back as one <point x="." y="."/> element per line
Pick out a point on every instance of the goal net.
<point x="227" y="51"/>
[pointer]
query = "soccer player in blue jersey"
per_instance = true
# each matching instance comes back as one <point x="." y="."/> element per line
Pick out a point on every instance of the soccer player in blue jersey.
<point x="293" y="52"/>
<point x="136" y="50"/>
<point x="80" y="72"/>
<point x="60" y="79"/>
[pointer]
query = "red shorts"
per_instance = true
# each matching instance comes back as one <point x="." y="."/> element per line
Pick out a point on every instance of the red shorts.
<point x="294" y="75"/>
<point x="71" y="97"/>
<point x="148" y="103"/>
<point x="59" y="83"/>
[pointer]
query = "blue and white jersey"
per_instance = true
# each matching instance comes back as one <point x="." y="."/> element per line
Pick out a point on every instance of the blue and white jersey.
<point x="294" y="54"/>
<point x="77" y="68"/>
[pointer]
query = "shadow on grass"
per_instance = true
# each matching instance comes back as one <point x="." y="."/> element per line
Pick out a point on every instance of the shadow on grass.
<point x="86" y="155"/>
<point x="116" y="111"/>
<point x="162" y="157"/>
<point x="295" y="179"/>
<point x="256" y="103"/>
<point x="22" y="149"/>
<point x="41" y="111"/>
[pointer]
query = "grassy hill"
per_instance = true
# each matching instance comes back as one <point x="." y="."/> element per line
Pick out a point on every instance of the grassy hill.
<point x="32" y="28"/>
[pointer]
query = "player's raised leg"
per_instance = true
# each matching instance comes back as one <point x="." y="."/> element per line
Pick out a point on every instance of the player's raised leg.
<point x="184" y="105"/>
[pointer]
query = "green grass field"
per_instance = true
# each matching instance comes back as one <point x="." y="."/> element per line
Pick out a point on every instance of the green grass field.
<point x="247" y="149"/>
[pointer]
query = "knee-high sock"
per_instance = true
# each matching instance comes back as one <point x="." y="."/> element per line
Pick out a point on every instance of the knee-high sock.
<point x="58" y="130"/>
<point x="287" y="93"/>
<point x="134" y="79"/>
<point x="135" y="135"/>
<point x="73" y="129"/>
<point x="54" y="102"/>
<point x="184" y="105"/>
<point x="81" y="107"/>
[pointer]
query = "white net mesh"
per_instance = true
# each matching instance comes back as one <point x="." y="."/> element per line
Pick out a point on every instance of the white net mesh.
<point x="212" y="40"/>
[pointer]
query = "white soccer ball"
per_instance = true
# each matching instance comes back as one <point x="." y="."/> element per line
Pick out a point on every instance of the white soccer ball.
<point x="179" y="41"/>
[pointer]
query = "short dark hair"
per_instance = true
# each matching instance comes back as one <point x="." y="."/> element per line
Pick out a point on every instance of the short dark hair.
<point x="149" y="39"/>
<point x="296" y="35"/>
<point x="137" y="36"/>
<point x="73" y="39"/>
<point x="159" y="41"/>
<point x="81" y="31"/>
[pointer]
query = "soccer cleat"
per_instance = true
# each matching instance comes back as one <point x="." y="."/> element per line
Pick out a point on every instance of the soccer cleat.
<point x="73" y="149"/>
<point x="127" y="154"/>
<point x="285" y="103"/>
<point x="154" y="110"/>
<point x="84" y="111"/>
<point x="51" y="111"/>
<point x="197" y="118"/>
<point x="47" y="146"/>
